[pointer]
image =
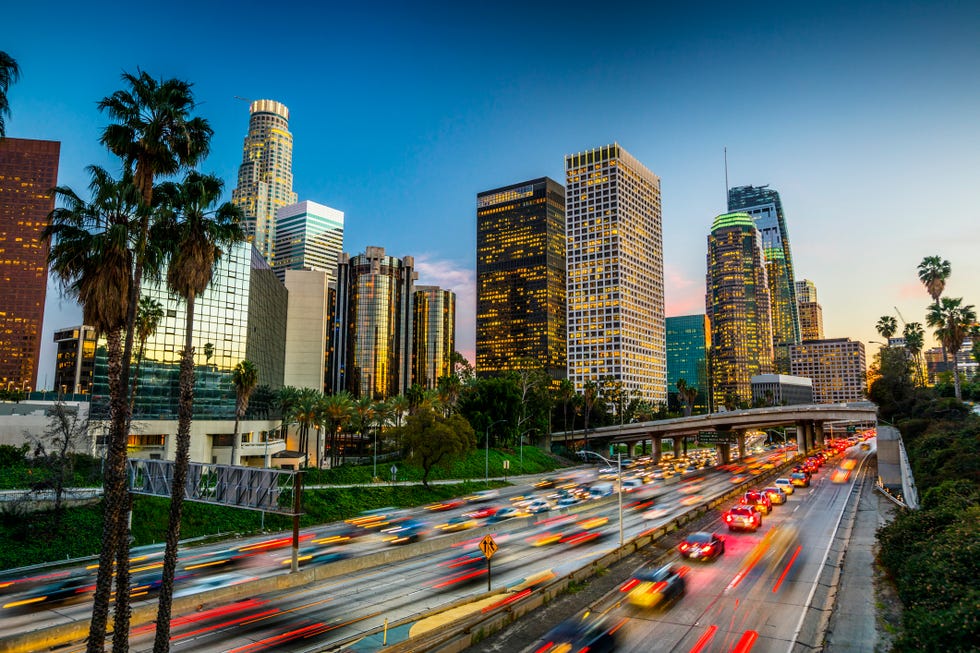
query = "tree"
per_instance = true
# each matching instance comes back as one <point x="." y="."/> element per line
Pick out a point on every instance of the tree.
<point x="9" y="73"/>
<point x="687" y="394"/>
<point x="461" y="368"/>
<point x="952" y="321"/>
<point x="244" y="377"/>
<point x="148" y="316"/>
<point x="914" y="336"/>
<point x="305" y="414"/>
<point x="338" y="410"/>
<point x="448" y="388"/>
<point x="933" y="273"/>
<point x="590" y="392"/>
<point x="208" y="352"/>
<point x="415" y="395"/>
<point x="91" y="256"/>
<point x="65" y="434"/>
<point x="198" y="233"/>
<point x="432" y="439"/>
<point x="886" y="326"/>
<point x="565" y="394"/>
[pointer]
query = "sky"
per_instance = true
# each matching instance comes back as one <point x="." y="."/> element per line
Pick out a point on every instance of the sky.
<point x="863" y="115"/>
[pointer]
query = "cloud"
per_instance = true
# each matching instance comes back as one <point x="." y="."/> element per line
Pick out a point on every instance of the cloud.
<point x="682" y="296"/>
<point x="450" y="275"/>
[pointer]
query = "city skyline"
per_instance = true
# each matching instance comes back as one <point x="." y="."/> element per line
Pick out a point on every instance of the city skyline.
<point x="867" y="133"/>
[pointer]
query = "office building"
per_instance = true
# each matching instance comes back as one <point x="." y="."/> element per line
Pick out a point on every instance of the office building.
<point x="738" y="308"/>
<point x="265" y="177"/>
<point x="766" y="209"/>
<point x="434" y="335"/>
<point x="309" y="236"/>
<point x="307" y="328"/>
<point x="614" y="259"/>
<point x="520" y="278"/>
<point x="966" y="364"/>
<point x="688" y="342"/>
<point x="75" y="360"/>
<point x="811" y="314"/>
<point x="372" y="345"/>
<point x="837" y="368"/>
<point x="781" y="390"/>
<point x="28" y="171"/>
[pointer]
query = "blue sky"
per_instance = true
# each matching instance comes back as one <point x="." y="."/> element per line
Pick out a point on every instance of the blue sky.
<point x="862" y="114"/>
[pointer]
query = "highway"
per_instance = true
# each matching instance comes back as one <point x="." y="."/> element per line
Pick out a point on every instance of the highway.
<point x="725" y="594"/>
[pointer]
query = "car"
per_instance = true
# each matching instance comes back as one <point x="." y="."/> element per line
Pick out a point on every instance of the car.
<point x="506" y="512"/>
<point x="588" y="633"/>
<point x="799" y="479"/>
<point x="568" y="500"/>
<point x="445" y="505"/>
<point x="785" y="485"/>
<point x="484" y="495"/>
<point x="546" y="483"/>
<point x="600" y="490"/>
<point x="461" y="523"/>
<point x="742" y="517"/>
<point x="405" y="531"/>
<point x="538" y="506"/>
<point x="775" y="494"/>
<point x="760" y="500"/>
<point x="702" y="546"/>
<point x="483" y="513"/>
<point x="653" y="588"/>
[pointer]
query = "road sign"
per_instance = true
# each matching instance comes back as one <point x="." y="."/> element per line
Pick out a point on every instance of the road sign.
<point x="506" y="464"/>
<point x="716" y="437"/>
<point x="488" y="546"/>
<point x="851" y="430"/>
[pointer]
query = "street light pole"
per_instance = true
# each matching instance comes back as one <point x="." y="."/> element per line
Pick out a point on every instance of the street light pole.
<point x="487" y="438"/>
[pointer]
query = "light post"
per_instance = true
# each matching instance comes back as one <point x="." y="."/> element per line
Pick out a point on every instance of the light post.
<point x="375" y="473"/>
<point x="487" y="438"/>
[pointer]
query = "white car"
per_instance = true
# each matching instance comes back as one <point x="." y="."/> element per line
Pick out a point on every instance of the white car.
<point x="784" y="484"/>
<point x="539" y="505"/>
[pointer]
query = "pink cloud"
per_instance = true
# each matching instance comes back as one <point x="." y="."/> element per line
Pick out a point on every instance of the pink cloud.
<point x="913" y="290"/>
<point x="682" y="296"/>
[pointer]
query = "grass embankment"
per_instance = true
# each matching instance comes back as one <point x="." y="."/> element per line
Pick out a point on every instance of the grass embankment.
<point x="40" y="537"/>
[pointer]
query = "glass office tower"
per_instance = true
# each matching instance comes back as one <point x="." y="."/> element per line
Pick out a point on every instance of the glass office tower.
<point x="520" y="278"/>
<point x="75" y="360"/>
<point x="265" y="177"/>
<point x="688" y="342"/>
<point x="309" y="236"/>
<point x="766" y="209"/>
<point x="811" y="313"/>
<point x="614" y="259"/>
<point x="372" y="342"/>
<point x="738" y="308"/>
<point x="435" y="335"/>
<point x="28" y="171"/>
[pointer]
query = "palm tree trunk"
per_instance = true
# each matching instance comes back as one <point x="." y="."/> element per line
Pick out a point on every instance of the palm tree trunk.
<point x="235" y="438"/>
<point x="114" y="487"/>
<point x="161" y="643"/>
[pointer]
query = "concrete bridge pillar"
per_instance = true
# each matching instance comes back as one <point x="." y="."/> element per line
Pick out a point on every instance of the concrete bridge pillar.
<point x="801" y="437"/>
<point x="724" y="454"/>
<point x="677" y="447"/>
<point x="740" y="439"/>
<point x="657" y="445"/>
<point x="818" y="434"/>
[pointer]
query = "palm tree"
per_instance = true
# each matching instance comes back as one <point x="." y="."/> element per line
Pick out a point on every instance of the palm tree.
<point x="244" y="377"/>
<point x="933" y="273"/>
<point x="9" y="73"/>
<point x="199" y="234"/>
<point x="953" y="322"/>
<point x="148" y="316"/>
<point x="449" y="388"/>
<point x="915" y="339"/>
<point x="338" y="410"/>
<point x="208" y="353"/>
<point x="286" y="400"/>
<point x="306" y="415"/>
<point x="687" y="394"/>
<point x="886" y="326"/>
<point x="91" y="256"/>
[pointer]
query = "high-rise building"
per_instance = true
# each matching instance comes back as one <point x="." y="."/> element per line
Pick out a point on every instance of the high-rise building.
<point x="75" y="360"/>
<point x="766" y="209"/>
<point x="28" y="171"/>
<point x="307" y="328"/>
<point x="435" y="335"/>
<point x="837" y="368"/>
<point x="309" y="236"/>
<point x="614" y="259"/>
<point x="520" y="278"/>
<point x="265" y="177"/>
<point x="688" y="342"/>
<point x="372" y="346"/>
<point x="811" y="313"/>
<point x="738" y="308"/>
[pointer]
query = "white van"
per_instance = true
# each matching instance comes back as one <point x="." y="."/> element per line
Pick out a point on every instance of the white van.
<point x="600" y="490"/>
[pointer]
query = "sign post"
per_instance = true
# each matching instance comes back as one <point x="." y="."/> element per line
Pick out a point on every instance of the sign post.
<point x="489" y="547"/>
<point x="394" y="473"/>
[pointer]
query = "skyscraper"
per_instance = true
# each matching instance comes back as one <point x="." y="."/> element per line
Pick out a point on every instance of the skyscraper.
<point x="520" y="278"/>
<point x="435" y="335"/>
<point x="837" y="367"/>
<point x="372" y="346"/>
<point x="309" y="236"/>
<point x="75" y="361"/>
<point x="265" y="177"/>
<point x="688" y="342"/>
<point x="766" y="209"/>
<point x="28" y="170"/>
<point x="811" y="313"/>
<point x="614" y="259"/>
<point x="738" y="308"/>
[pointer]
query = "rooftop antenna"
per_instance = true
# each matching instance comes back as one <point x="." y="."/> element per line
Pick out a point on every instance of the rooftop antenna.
<point x="726" y="177"/>
<point x="244" y="99"/>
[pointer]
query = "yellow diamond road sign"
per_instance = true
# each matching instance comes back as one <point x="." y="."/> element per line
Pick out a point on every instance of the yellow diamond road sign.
<point x="488" y="546"/>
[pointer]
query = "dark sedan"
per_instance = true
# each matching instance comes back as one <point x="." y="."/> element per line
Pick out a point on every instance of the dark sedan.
<point x="702" y="546"/>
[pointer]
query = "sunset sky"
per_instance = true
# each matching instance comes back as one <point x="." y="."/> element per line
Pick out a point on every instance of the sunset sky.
<point x="863" y="115"/>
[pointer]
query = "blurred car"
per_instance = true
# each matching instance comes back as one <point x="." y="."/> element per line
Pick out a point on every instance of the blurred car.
<point x="592" y="634"/>
<point x="568" y="500"/>
<point x="775" y="494"/>
<point x="460" y="569"/>
<point x="483" y="513"/>
<point x="506" y="512"/>
<point x="702" y="546"/>
<point x="839" y="475"/>
<point x="317" y="556"/>
<point x="658" y="587"/>
<point x="461" y="523"/>
<point x="482" y="496"/>
<point x="785" y="485"/>
<point x="799" y="479"/>
<point x="539" y="506"/>
<point x="445" y="505"/>
<point x="546" y="483"/>
<point x="586" y="530"/>
<point x="405" y="531"/>
<point x="757" y="499"/>
<point x="742" y="517"/>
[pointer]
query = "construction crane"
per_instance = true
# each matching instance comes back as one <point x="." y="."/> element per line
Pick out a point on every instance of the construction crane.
<point x="244" y="99"/>
<point x="904" y="323"/>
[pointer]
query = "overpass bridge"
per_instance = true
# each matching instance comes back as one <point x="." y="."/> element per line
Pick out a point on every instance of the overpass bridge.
<point x="728" y="428"/>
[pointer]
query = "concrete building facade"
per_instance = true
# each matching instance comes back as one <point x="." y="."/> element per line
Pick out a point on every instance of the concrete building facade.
<point x="781" y="390"/>
<point x="837" y="367"/>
